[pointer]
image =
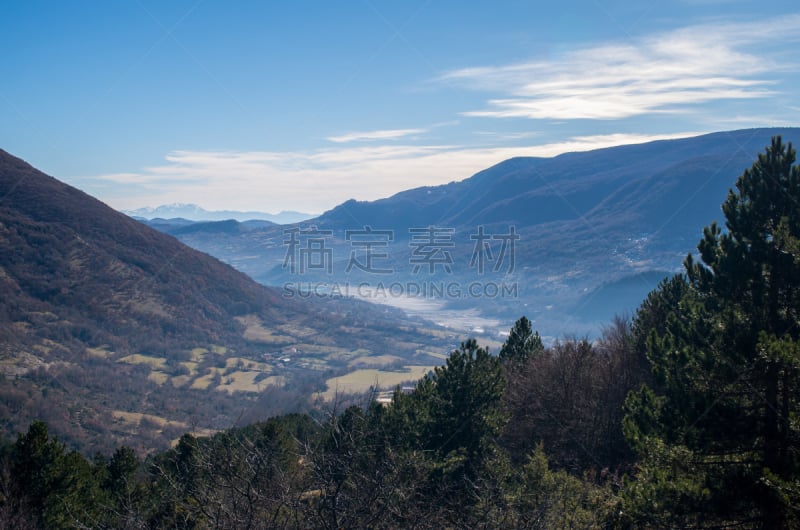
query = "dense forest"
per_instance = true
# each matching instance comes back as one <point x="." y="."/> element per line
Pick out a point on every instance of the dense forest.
<point x="685" y="415"/>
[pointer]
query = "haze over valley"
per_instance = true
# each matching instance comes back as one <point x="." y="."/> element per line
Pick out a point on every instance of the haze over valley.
<point x="569" y="241"/>
<point x="387" y="265"/>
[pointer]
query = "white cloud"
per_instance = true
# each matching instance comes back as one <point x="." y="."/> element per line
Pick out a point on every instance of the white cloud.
<point x="662" y="73"/>
<point x="503" y="136"/>
<point x="673" y="72"/>
<point x="388" y="134"/>
<point x="318" y="180"/>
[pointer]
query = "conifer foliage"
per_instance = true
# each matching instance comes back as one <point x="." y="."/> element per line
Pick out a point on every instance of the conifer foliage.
<point x="717" y="432"/>
<point x="522" y="343"/>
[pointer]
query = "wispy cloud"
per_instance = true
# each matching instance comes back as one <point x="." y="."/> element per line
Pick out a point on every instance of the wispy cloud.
<point x="506" y="136"/>
<point x="663" y="73"/>
<point x="318" y="180"/>
<point x="672" y="72"/>
<point x="388" y="134"/>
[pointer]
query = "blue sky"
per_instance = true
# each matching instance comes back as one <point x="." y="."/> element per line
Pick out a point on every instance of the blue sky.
<point x="301" y="105"/>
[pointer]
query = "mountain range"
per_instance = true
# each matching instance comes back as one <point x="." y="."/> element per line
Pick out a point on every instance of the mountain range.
<point x="114" y="332"/>
<point x="194" y="212"/>
<point x="596" y="231"/>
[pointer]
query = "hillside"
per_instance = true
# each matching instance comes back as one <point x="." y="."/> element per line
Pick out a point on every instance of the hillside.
<point x="607" y="187"/>
<point x="112" y="330"/>
<point x="597" y="230"/>
<point x="683" y="417"/>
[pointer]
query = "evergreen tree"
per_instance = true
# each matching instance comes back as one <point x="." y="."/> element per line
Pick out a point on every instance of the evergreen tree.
<point x="522" y="343"/>
<point x="718" y="437"/>
<point x="449" y="427"/>
<point x="466" y="411"/>
<point x="61" y="488"/>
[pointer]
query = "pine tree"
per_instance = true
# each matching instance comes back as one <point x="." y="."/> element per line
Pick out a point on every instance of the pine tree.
<point x="719" y="438"/>
<point x="522" y="343"/>
<point x="466" y="410"/>
<point x="60" y="487"/>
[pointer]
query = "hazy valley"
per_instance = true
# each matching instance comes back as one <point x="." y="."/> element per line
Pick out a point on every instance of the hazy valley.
<point x="210" y="400"/>
<point x="593" y="233"/>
